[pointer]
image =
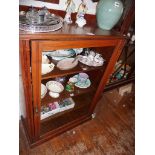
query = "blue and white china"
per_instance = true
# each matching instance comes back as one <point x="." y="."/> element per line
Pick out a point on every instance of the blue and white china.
<point x="60" y="54"/>
<point x="82" y="80"/>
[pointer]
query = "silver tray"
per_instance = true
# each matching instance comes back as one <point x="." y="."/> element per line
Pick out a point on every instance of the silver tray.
<point x="53" y="23"/>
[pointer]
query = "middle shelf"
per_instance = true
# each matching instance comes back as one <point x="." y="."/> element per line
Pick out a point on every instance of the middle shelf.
<point x="79" y="68"/>
<point x="94" y="81"/>
<point x="66" y="94"/>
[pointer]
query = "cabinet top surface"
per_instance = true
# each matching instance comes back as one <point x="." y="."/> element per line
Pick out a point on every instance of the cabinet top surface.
<point x="72" y="30"/>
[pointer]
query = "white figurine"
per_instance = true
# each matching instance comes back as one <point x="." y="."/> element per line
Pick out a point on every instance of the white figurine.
<point x="70" y="9"/>
<point x="80" y="14"/>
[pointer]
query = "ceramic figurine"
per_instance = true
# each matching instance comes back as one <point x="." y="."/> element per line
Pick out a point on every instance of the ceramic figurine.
<point x="70" y="86"/>
<point x="80" y="14"/>
<point x="70" y="9"/>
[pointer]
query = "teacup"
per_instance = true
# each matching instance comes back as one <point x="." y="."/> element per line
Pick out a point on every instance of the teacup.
<point x="82" y="78"/>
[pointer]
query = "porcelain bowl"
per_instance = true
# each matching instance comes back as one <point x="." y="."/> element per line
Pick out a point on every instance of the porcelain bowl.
<point x="54" y="95"/>
<point x="67" y="63"/>
<point x="43" y="90"/>
<point x="47" y="68"/>
<point x="55" y="86"/>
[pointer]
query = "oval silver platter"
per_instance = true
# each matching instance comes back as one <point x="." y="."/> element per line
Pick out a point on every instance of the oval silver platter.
<point x="53" y="23"/>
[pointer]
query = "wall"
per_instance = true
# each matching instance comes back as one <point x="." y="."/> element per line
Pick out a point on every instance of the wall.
<point x="61" y="6"/>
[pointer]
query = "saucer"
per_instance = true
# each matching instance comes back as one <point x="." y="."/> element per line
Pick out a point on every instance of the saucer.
<point x="83" y="85"/>
<point x="80" y="84"/>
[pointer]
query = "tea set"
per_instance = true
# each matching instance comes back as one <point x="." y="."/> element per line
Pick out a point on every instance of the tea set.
<point x="91" y="59"/>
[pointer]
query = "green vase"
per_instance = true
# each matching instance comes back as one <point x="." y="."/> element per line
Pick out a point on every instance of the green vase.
<point x="108" y="13"/>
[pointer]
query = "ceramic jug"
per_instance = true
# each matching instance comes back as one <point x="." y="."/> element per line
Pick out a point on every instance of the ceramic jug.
<point x="108" y="13"/>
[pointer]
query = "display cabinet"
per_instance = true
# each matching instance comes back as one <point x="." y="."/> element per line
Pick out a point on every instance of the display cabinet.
<point x="44" y="115"/>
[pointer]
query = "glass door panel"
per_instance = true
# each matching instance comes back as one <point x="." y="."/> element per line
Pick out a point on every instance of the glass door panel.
<point x="67" y="88"/>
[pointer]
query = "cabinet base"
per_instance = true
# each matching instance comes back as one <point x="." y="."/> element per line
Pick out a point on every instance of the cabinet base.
<point x="25" y="130"/>
<point x="51" y="134"/>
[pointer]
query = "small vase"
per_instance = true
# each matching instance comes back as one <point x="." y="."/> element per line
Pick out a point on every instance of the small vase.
<point x="108" y="13"/>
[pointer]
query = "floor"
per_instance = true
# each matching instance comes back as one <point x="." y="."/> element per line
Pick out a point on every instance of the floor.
<point x="111" y="132"/>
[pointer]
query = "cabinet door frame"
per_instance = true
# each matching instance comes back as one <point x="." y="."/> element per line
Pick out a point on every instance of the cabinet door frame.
<point x="38" y="46"/>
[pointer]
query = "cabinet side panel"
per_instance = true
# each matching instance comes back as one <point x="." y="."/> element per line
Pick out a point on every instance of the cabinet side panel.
<point x="25" y="87"/>
<point x="36" y="82"/>
<point x="21" y="98"/>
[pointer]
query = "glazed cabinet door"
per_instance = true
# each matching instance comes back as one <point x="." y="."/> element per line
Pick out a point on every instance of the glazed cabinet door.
<point x="65" y="89"/>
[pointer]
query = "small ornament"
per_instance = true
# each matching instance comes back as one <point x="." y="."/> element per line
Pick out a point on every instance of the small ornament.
<point x="70" y="86"/>
<point x="70" y="9"/>
<point x="80" y="14"/>
<point x="46" y="109"/>
<point x="53" y="105"/>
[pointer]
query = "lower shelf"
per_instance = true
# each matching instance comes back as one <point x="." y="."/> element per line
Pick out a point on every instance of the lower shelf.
<point x="58" y="108"/>
<point x="82" y="104"/>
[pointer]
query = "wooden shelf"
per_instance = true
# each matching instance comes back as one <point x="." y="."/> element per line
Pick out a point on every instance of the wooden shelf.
<point x="79" y="68"/>
<point x="82" y="104"/>
<point x="65" y="94"/>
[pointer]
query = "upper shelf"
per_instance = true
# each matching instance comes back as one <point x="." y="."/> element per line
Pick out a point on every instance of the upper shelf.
<point x="79" y="68"/>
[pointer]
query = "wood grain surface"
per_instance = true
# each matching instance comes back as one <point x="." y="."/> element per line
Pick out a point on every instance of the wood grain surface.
<point x="111" y="132"/>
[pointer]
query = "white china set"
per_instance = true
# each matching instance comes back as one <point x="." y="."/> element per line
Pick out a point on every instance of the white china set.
<point x="65" y="62"/>
<point x="91" y="59"/>
<point x="80" y="80"/>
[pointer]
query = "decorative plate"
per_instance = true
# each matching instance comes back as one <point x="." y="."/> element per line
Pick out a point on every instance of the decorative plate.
<point x="55" y="86"/>
<point x="67" y="64"/>
<point x="61" y="54"/>
<point x="43" y="90"/>
<point x="81" y="85"/>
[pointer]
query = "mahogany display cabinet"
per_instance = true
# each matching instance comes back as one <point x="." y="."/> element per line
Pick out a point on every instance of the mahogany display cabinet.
<point x="32" y="45"/>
